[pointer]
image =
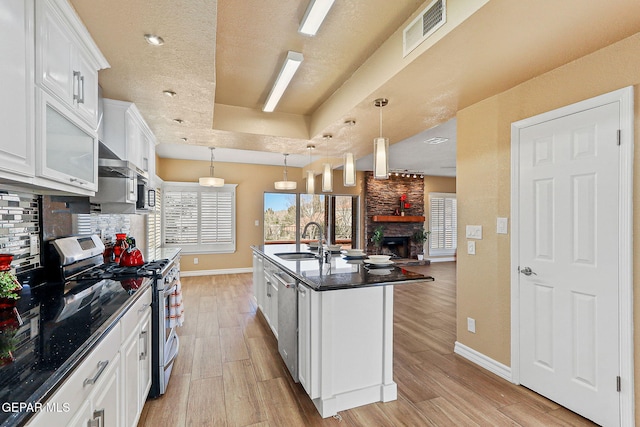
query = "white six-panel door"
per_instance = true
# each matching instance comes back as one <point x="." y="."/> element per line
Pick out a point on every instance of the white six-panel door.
<point x="568" y="261"/>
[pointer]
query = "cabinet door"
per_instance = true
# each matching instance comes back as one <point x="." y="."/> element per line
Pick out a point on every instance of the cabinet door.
<point x="131" y="378"/>
<point x="304" y="337"/>
<point x="67" y="149"/>
<point x="16" y="103"/>
<point x="144" y="360"/>
<point x="106" y="401"/>
<point x="55" y="53"/>
<point x="87" y="91"/>
<point x="134" y="138"/>
<point x="274" y="308"/>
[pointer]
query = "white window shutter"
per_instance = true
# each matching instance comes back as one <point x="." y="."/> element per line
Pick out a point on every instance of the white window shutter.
<point x="443" y="224"/>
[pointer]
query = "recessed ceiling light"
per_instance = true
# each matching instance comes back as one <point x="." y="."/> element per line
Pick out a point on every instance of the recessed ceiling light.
<point x="178" y="121"/>
<point x="169" y="93"/>
<point x="184" y="139"/>
<point x="154" y="40"/>
<point x="436" y="140"/>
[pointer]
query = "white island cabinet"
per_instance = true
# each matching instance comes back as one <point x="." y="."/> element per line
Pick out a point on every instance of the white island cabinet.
<point x="345" y="347"/>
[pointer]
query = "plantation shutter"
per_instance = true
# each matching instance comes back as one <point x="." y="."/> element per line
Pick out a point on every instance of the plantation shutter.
<point x="443" y="224"/>
<point x="199" y="219"/>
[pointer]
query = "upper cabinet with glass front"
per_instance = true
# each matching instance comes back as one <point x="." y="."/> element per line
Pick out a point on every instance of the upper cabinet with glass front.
<point x="66" y="77"/>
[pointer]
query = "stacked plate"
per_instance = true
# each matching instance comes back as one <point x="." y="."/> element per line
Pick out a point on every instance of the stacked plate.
<point x="354" y="254"/>
<point x="379" y="261"/>
<point x="334" y="248"/>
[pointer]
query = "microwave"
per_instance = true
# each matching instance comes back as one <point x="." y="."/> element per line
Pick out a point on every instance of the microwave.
<point x="146" y="196"/>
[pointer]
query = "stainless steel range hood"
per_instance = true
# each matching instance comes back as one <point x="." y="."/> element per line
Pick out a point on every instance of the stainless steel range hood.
<point x="110" y="166"/>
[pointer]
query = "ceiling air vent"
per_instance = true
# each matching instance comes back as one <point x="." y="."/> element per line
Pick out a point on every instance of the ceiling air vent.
<point x="432" y="18"/>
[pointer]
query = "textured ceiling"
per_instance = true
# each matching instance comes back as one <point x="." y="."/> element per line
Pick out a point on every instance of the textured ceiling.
<point x="221" y="58"/>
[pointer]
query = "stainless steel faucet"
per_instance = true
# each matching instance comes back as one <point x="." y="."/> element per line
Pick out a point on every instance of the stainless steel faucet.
<point x="304" y="234"/>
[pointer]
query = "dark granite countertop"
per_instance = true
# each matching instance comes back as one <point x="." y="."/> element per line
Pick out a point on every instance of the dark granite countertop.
<point x="339" y="272"/>
<point x="56" y="337"/>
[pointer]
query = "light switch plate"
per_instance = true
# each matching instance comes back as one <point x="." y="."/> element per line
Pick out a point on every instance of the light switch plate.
<point x="471" y="248"/>
<point x="502" y="225"/>
<point x="474" y="232"/>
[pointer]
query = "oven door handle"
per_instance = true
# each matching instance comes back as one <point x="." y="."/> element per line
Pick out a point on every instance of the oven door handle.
<point x="175" y="353"/>
<point x="169" y="291"/>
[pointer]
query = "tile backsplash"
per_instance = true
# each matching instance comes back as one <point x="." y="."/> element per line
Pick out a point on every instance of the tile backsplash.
<point x="20" y="228"/>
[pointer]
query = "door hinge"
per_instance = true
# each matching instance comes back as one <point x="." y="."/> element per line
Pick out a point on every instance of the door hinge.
<point x="619" y="137"/>
<point x="618" y="384"/>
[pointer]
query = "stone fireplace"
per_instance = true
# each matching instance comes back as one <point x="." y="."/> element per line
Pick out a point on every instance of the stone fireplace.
<point x="382" y="200"/>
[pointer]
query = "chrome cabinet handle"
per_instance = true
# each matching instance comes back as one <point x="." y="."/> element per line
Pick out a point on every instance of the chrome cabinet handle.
<point x="76" y="85"/>
<point x="97" y="420"/>
<point x="79" y="181"/>
<point x="81" y="98"/>
<point x="143" y="336"/>
<point x="527" y="271"/>
<point x="101" y="367"/>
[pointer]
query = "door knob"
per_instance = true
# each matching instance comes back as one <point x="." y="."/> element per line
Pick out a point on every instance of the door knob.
<point x="527" y="271"/>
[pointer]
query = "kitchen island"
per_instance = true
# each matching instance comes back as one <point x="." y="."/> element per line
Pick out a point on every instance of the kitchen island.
<point x="343" y="319"/>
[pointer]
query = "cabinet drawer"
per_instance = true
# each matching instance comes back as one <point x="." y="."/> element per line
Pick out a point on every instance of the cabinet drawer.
<point x="86" y="378"/>
<point x="135" y="315"/>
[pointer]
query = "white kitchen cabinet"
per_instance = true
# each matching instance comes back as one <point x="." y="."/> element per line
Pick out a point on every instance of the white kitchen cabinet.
<point x="68" y="149"/>
<point x="127" y="134"/>
<point x="305" y="353"/>
<point x="270" y="306"/>
<point x="17" y="160"/>
<point x="258" y="280"/>
<point x="144" y="361"/>
<point x="67" y="59"/>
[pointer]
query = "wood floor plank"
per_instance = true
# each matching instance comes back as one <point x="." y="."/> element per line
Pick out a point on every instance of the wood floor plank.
<point x="528" y="416"/>
<point x="184" y="362"/>
<point x="170" y="409"/>
<point x="233" y="344"/>
<point x="207" y="324"/>
<point x="282" y="409"/>
<point x="206" y="406"/>
<point x="440" y="412"/>
<point x="243" y="404"/>
<point x="264" y="359"/>
<point x="207" y="358"/>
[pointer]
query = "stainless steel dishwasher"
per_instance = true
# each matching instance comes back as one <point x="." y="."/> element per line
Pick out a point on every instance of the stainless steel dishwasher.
<point x="288" y="321"/>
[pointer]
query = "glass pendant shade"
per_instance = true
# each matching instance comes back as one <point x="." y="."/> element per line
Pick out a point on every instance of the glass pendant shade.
<point x="349" y="171"/>
<point x="285" y="184"/>
<point x="327" y="178"/>
<point x="211" y="181"/>
<point x="311" y="185"/>
<point x="381" y="158"/>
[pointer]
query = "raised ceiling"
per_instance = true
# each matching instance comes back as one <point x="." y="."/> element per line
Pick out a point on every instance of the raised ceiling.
<point x="221" y="58"/>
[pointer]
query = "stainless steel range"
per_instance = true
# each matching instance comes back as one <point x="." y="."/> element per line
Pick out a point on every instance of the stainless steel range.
<point x="80" y="258"/>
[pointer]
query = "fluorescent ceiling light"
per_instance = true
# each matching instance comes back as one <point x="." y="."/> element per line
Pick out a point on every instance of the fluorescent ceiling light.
<point x="313" y="17"/>
<point x="436" y="140"/>
<point x="289" y="68"/>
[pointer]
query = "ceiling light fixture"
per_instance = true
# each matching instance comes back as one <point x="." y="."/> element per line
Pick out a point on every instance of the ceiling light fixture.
<point x="314" y="15"/>
<point x="436" y="140"/>
<point x="184" y="139"/>
<point x="327" y="170"/>
<point x="211" y="181"/>
<point x="154" y="40"/>
<point x="169" y="93"/>
<point x="349" y="171"/>
<point x="381" y="147"/>
<point x="179" y="121"/>
<point x="285" y="184"/>
<point x="311" y="184"/>
<point x="289" y="68"/>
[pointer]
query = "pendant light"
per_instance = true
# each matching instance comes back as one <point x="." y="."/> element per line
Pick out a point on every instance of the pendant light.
<point x="349" y="171"/>
<point x="211" y="181"/>
<point x="286" y="184"/>
<point x="327" y="170"/>
<point x="381" y="148"/>
<point x="310" y="176"/>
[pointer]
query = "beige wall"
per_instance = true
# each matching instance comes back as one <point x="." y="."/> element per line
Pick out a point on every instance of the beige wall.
<point x="253" y="181"/>
<point x="437" y="184"/>
<point x="483" y="181"/>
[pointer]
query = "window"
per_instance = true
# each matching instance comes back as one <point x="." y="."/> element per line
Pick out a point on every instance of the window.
<point x="443" y="224"/>
<point x="199" y="219"/>
<point x="154" y="237"/>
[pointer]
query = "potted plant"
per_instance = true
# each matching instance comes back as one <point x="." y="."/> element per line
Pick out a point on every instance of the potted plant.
<point x="377" y="237"/>
<point x="420" y="236"/>
<point x="9" y="286"/>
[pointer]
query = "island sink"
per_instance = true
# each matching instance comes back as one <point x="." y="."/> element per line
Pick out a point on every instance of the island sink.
<point x="296" y="256"/>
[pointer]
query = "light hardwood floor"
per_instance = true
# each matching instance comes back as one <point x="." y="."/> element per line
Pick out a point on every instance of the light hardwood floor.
<point x="229" y="372"/>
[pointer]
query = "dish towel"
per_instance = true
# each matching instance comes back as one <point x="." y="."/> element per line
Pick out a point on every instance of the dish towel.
<point x="175" y="315"/>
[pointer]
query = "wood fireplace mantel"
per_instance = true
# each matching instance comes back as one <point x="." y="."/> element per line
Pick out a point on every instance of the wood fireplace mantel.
<point x="397" y="218"/>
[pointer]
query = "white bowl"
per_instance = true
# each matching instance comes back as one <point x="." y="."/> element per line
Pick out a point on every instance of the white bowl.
<point x="335" y="248"/>
<point x="380" y="257"/>
<point x="354" y="252"/>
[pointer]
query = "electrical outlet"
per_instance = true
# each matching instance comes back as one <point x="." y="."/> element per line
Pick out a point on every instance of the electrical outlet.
<point x="471" y="248"/>
<point x="474" y="232"/>
<point x="471" y="325"/>
<point x="196" y="260"/>
<point x="257" y="223"/>
<point x="502" y="225"/>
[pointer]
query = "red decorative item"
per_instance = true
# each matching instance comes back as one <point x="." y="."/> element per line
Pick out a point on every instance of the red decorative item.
<point x="403" y="197"/>
<point x="5" y="262"/>
<point x="407" y="205"/>
<point x="131" y="257"/>
<point x="120" y="246"/>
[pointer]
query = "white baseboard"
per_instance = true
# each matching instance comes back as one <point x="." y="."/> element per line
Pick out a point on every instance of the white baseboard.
<point x="442" y="259"/>
<point x="483" y="361"/>
<point x="215" y="272"/>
